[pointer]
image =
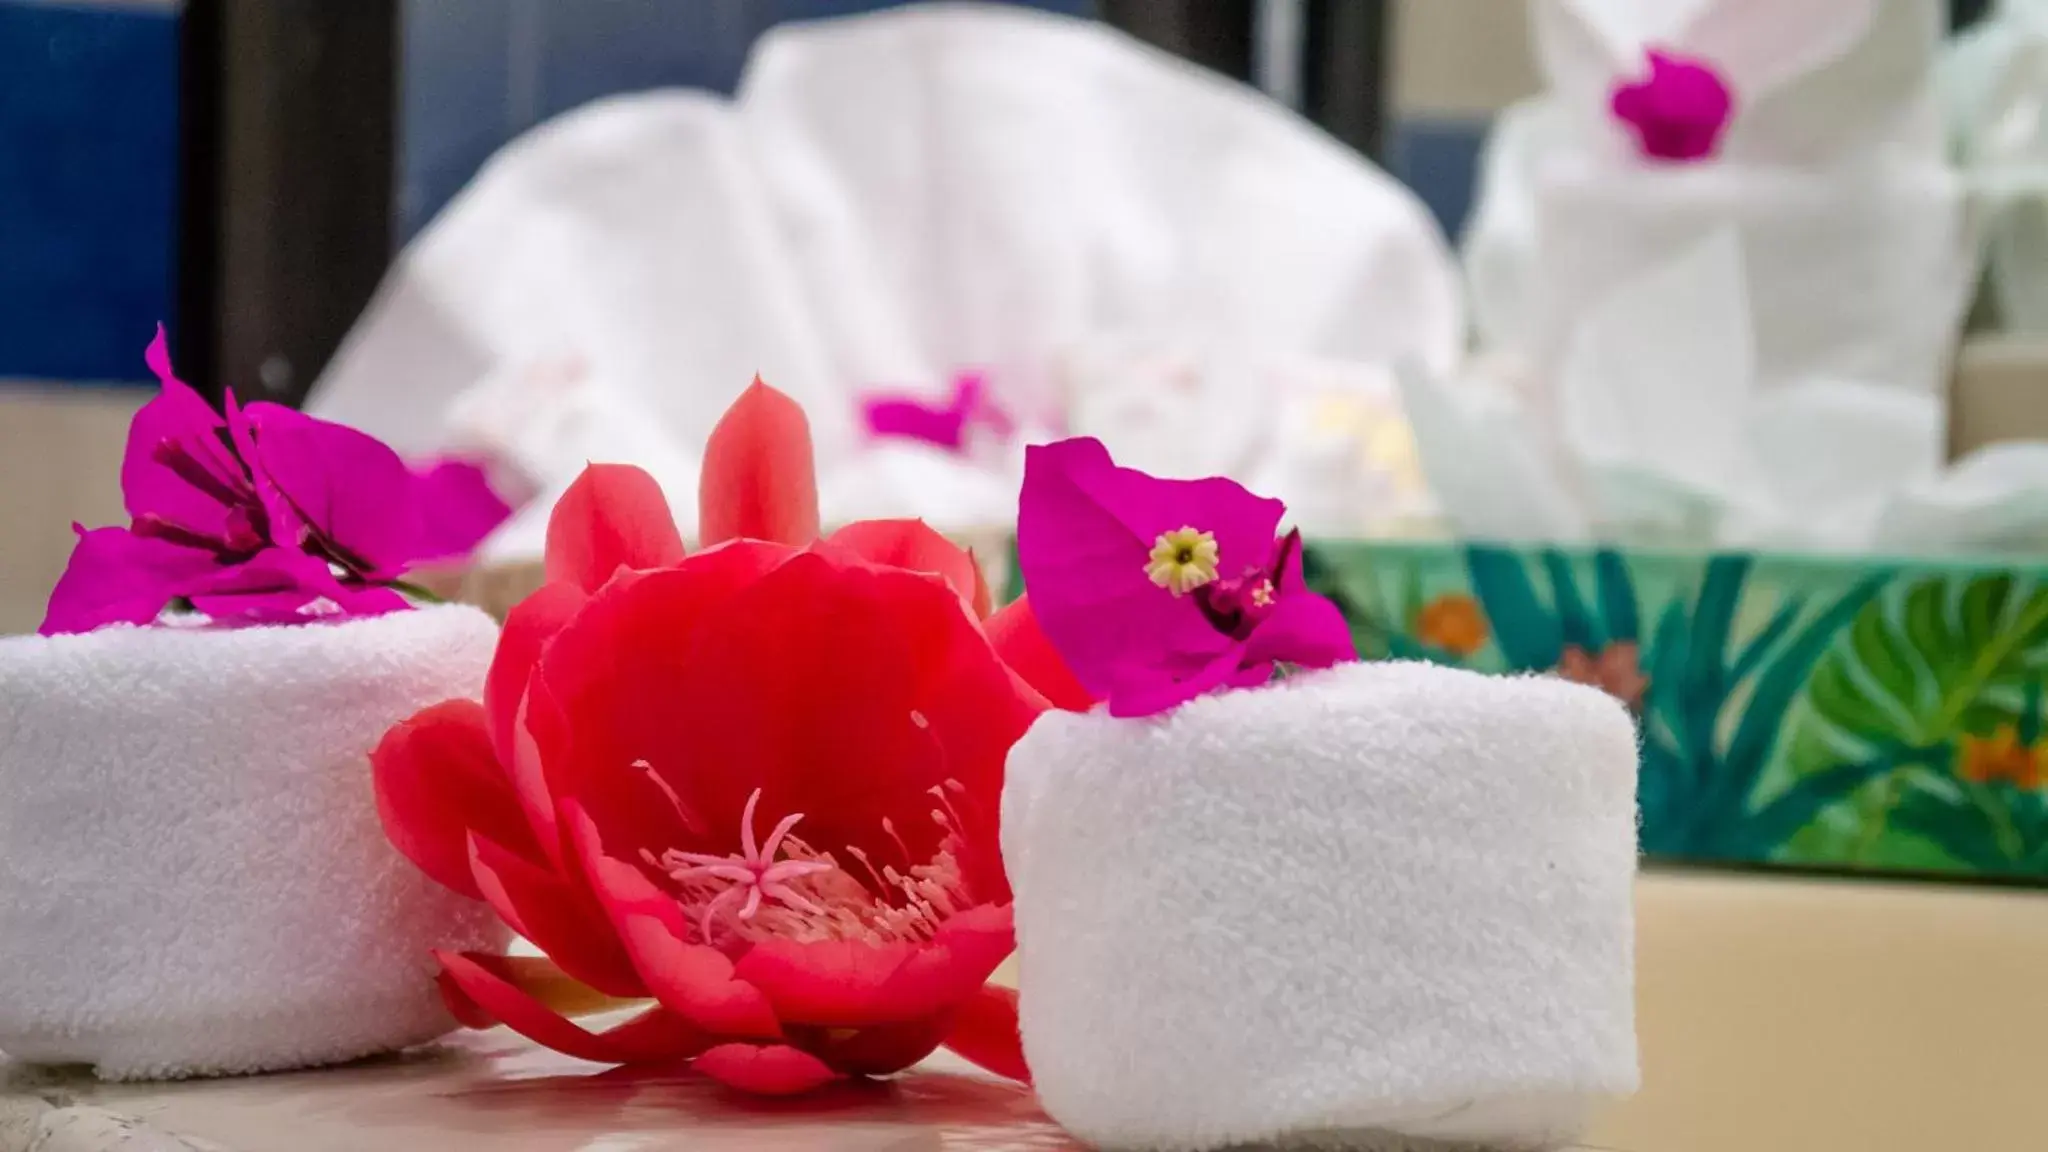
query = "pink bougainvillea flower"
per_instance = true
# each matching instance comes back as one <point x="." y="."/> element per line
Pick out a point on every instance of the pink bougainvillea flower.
<point x="755" y="786"/>
<point x="1677" y="112"/>
<point x="948" y="425"/>
<point x="184" y="478"/>
<point x="261" y="515"/>
<point x="458" y="507"/>
<point x="1157" y="591"/>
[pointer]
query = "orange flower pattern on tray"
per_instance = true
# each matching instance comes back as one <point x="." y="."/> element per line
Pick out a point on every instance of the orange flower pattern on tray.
<point x="1616" y="669"/>
<point x="2001" y="756"/>
<point x="1453" y="622"/>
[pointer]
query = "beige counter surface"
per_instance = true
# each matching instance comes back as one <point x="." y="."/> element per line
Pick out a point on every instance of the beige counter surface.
<point x="1777" y="1015"/>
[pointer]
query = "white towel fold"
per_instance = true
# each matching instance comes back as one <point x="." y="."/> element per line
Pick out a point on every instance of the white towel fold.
<point x="1388" y="901"/>
<point x="193" y="879"/>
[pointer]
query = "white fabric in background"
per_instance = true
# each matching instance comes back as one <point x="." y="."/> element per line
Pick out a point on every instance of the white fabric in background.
<point x="1660" y="427"/>
<point x="1995" y="79"/>
<point x="1751" y="349"/>
<point x="889" y="200"/>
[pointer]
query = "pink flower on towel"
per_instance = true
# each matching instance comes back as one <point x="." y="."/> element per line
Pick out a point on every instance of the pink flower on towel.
<point x="1157" y="591"/>
<point x="458" y="508"/>
<point x="1678" y="111"/>
<point x="257" y="516"/>
<point x="946" y="426"/>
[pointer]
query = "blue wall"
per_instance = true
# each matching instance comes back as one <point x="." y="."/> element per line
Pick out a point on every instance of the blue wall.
<point x="88" y="138"/>
<point x="482" y="71"/>
<point x="88" y="188"/>
<point x="479" y="72"/>
<point x="1439" y="159"/>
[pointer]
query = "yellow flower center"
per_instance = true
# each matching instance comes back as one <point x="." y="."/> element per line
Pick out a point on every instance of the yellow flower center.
<point x="1182" y="560"/>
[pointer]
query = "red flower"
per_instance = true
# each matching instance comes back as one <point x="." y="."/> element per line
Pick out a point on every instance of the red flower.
<point x="757" y="785"/>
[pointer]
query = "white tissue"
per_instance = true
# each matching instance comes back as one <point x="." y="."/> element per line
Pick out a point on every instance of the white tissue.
<point x="1993" y="500"/>
<point x="1821" y="87"/>
<point x="632" y="234"/>
<point x="542" y="421"/>
<point x="193" y="878"/>
<point x="891" y="199"/>
<point x="1815" y="81"/>
<point x="1995" y="77"/>
<point x="1752" y="349"/>
<point x="1386" y="898"/>
<point x="1661" y="427"/>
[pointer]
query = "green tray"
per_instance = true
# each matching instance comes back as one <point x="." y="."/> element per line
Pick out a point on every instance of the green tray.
<point x="1798" y="711"/>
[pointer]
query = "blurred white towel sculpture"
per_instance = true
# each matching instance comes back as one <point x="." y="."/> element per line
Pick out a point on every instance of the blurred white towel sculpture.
<point x="1995" y="79"/>
<point x="1750" y="348"/>
<point x="892" y="200"/>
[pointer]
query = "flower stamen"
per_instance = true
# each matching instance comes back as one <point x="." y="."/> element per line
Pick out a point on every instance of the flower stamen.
<point x="1182" y="560"/>
<point x="754" y="873"/>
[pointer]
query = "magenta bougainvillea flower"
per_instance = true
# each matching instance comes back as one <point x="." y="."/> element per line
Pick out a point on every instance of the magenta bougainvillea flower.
<point x="947" y="425"/>
<point x="1677" y="112"/>
<point x="1157" y="591"/>
<point x="251" y="517"/>
<point x="458" y="508"/>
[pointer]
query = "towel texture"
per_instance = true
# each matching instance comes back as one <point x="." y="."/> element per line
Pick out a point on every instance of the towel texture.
<point x="1387" y="899"/>
<point x="193" y="879"/>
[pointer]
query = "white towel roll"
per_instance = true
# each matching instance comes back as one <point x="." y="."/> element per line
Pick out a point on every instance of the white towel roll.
<point x="193" y="879"/>
<point x="1384" y="899"/>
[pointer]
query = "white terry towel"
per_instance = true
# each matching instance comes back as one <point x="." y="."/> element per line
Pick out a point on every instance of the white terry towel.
<point x="193" y="879"/>
<point x="890" y="200"/>
<point x="1382" y="902"/>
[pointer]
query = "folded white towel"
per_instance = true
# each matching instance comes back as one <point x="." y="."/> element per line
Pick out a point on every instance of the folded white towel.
<point x="1388" y="901"/>
<point x="890" y="200"/>
<point x="193" y="879"/>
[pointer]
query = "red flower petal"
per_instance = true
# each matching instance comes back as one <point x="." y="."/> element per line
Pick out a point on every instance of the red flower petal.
<point x="951" y="969"/>
<point x="758" y="479"/>
<point x="538" y="725"/>
<point x="654" y="1035"/>
<point x="843" y="692"/>
<point x="614" y="516"/>
<point x="1023" y="646"/>
<point x="765" y="1070"/>
<point x="436" y="781"/>
<point x="560" y="919"/>
<point x="528" y="627"/>
<point x="604" y="697"/>
<point x="541" y="979"/>
<point x="985" y="1033"/>
<point x="844" y="983"/>
<point x="881" y="1050"/>
<point x="913" y="544"/>
<point x="467" y="1012"/>
<point x="692" y="980"/>
<point x="833" y="983"/>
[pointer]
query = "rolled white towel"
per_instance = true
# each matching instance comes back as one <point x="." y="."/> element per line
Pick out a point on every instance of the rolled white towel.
<point x="193" y="879"/>
<point x="1387" y="900"/>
